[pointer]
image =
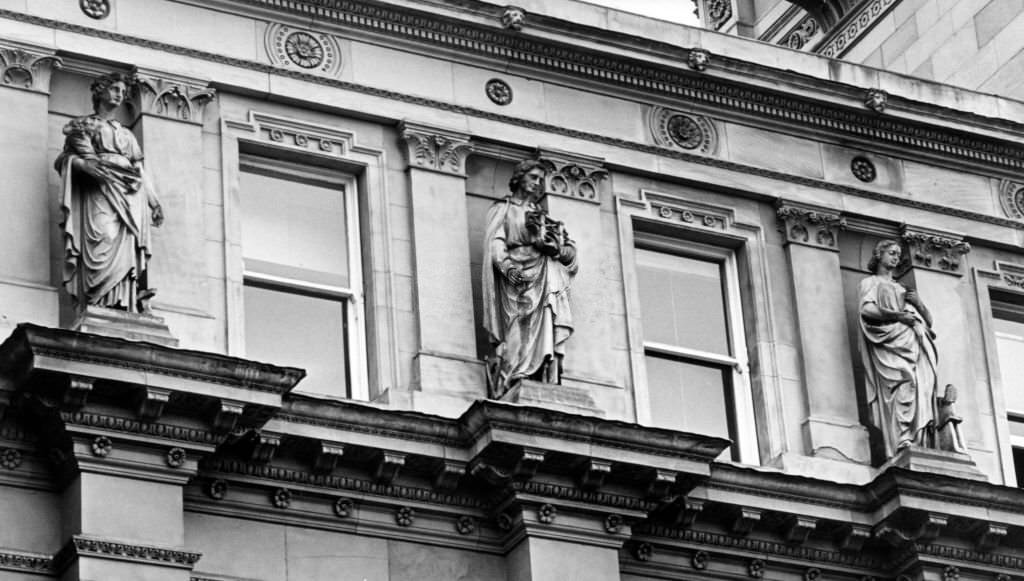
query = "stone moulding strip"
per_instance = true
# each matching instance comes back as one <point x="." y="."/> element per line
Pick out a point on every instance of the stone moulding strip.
<point x="882" y="131"/>
<point x="131" y="426"/>
<point x="575" y="494"/>
<point x="24" y="561"/>
<point x="84" y="546"/>
<point x="843" y="37"/>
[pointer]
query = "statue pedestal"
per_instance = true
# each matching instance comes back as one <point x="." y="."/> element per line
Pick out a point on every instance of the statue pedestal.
<point x="920" y="459"/>
<point x="562" y="398"/>
<point x="131" y="326"/>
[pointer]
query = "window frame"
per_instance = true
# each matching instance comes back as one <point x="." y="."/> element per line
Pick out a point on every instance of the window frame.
<point x="679" y="225"/>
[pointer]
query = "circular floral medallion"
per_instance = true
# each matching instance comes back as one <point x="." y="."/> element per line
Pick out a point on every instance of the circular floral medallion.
<point x="863" y="169"/>
<point x="684" y="132"/>
<point x="498" y="91"/>
<point x="304" y="49"/>
<point x="217" y="489"/>
<point x="465" y="525"/>
<point x="404" y="516"/>
<point x="101" y="446"/>
<point x="176" y="457"/>
<point x="282" y="498"/>
<point x="10" y="458"/>
<point x="98" y="9"/>
<point x="612" y="523"/>
<point x="343" y="507"/>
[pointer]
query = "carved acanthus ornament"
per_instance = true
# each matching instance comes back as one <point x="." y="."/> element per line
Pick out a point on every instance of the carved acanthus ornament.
<point x="810" y="226"/>
<point x="938" y="251"/>
<point x="686" y="131"/>
<point x="574" y="180"/>
<point x="26" y="68"/>
<point x="170" y="97"/>
<point x="717" y="13"/>
<point x="436" y="149"/>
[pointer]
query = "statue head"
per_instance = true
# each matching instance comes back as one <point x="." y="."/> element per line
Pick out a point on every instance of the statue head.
<point x="880" y="249"/>
<point x="522" y="168"/>
<point x="101" y="86"/>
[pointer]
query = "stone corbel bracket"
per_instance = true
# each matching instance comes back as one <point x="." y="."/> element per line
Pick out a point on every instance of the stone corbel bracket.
<point x="436" y="149"/>
<point x="935" y="250"/>
<point x="170" y="96"/>
<point x="808" y="225"/>
<point x="25" y="67"/>
<point x="573" y="176"/>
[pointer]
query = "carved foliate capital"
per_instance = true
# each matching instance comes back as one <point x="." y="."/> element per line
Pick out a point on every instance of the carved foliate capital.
<point x="810" y="225"/>
<point x="27" y="68"/>
<point x="170" y="97"/>
<point x="436" y="149"/>
<point x="934" y="250"/>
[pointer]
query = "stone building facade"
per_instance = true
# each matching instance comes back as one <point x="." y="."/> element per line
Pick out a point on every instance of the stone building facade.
<point x="325" y="168"/>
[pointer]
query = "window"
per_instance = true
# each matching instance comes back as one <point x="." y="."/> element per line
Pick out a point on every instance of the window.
<point x="302" y="276"/>
<point x="694" y="351"/>
<point x="1008" y="325"/>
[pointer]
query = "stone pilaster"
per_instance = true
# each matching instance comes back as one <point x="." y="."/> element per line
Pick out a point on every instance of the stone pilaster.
<point x="169" y="128"/>
<point x="25" y="228"/>
<point x="447" y="365"/>
<point x="573" y="188"/>
<point x="831" y="428"/>
<point x="937" y="264"/>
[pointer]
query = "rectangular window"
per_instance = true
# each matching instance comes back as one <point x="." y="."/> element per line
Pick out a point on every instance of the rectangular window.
<point x="302" y="293"/>
<point x="1008" y="324"/>
<point x="693" y="341"/>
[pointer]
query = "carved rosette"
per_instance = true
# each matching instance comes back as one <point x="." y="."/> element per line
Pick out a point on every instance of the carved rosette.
<point x="810" y="226"/>
<point x="176" y="457"/>
<point x="547" y="513"/>
<point x="465" y="525"/>
<point x="1011" y="198"/>
<point x="572" y="180"/>
<point x="699" y="561"/>
<point x="643" y="551"/>
<point x="305" y="50"/>
<point x="940" y="252"/>
<point x="499" y="92"/>
<point x="678" y="130"/>
<point x="613" y="524"/>
<point x="27" y="69"/>
<point x="10" y="458"/>
<point x="437" y="150"/>
<point x="405" y="516"/>
<point x="95" y="9"/>
<point x="171" y="98"/>
<point x="343" y="507"/>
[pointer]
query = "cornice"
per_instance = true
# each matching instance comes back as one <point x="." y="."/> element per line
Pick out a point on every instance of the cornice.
<point x="780" y="486"/>
<point x="27" y="562"/>
<point x="85" y="546"/>
<point x="143" y="428"/>
<point x="877" y="130"/>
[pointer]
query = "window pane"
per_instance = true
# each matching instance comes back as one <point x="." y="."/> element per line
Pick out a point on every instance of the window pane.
<point x="296" y="225"/>
<point x="1010" y="348"/>
<point x="298" y="330"/>
<point x="688" y="396"/>
<point x="683" y="301"/>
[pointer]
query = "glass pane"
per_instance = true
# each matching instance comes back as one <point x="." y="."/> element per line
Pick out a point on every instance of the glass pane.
<point x="295" y="225"/>
<point x="1010" y="348"/>
<point x="683" y="301"/>
<point x="296" y="330"/>
<point x="689" y="397"/>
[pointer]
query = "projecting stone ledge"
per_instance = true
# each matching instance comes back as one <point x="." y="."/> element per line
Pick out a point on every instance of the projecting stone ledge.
<point x="932" y="461"/>
<point x="563" y="398"/>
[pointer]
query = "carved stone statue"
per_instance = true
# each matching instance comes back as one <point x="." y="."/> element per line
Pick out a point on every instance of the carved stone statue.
<point x="109" y="206"/>
<point x="897" y="346"/>
<point x="528" y="267"/>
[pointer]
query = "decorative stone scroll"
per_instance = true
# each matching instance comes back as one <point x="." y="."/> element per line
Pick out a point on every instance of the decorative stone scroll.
<point x="810" y="226"/>
<point x="717" y="13"/>
<point x="306" y="50"/>
<point x="24" y="68"/>
<point x="804" y="31"/>
<point x="436" y="149"/>
<point x="1011" y="198"/>
<point x="171" y="97"/>
<point x="686" y="131"/>
<point x="936" y="251"/>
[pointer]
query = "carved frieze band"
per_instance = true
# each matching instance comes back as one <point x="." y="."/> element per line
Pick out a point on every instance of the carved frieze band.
<point x="299" y="135"/>
<point x="843" y="39"/>
<point x="436" y="149"/>
<point x="810" y="226"/>
<point x="1011" y="198"/>
<point x="31" y="562"/>
<point x="1012" y="275"/>
<point x="82" y="546"/>
<point x="938" y="251"/>
<point x="689" y="213"/>
<point x="130" y="426"/>
<point x="307" y="50"/>
<point x="26" y="68"/>
<point x="170" y="97"/>
<point x="572" y="178"/>
<point x="679" y="130"/>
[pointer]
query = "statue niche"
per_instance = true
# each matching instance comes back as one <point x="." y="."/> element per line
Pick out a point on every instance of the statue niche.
<point x="897" y="347"/>
<point x="109" y="208"/>
<point x="528" y="267"/>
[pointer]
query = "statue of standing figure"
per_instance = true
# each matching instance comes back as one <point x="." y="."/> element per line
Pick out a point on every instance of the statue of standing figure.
<point x="528" y="266"/>
<point x="109" y="206"/>
<point x="897" y="346"/>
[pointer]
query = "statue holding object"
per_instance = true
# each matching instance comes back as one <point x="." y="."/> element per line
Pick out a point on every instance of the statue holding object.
<point x="109" y="206"/>
<point x="528" y="266"/>
<point x="900" y="360"/>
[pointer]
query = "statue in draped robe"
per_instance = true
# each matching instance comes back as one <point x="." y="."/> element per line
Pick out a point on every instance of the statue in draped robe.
<point x="108" y="204"/>
<point x="897" y="347"/>
<point x="528" y="266"/>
